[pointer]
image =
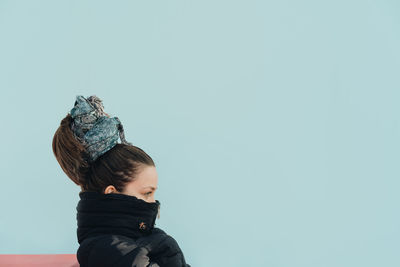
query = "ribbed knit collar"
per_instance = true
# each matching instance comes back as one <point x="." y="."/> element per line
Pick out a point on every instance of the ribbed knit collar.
<point x="119" y="214"/>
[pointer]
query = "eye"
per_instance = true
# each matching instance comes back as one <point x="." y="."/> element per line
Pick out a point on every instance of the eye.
<point x="148" y="193"/>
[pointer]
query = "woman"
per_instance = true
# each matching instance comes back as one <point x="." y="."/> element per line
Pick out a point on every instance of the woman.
<point x="116" y="212"/>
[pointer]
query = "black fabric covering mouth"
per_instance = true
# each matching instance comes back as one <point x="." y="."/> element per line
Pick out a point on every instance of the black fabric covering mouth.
<point x="119" y="214"/>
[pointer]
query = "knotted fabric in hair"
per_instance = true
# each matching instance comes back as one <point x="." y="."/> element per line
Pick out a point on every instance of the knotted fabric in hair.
<point x="93" y="128"/>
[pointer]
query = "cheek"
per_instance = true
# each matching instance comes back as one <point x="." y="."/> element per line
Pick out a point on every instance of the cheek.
<point x="133" y="193"/>
<point x="142" y="198"/>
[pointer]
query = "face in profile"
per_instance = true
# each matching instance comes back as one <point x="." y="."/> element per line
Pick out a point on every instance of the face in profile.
<point x="143" y="187"/>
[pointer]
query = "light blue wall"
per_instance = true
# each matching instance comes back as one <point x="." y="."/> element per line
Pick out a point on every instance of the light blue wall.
<point x="274" y="125"/>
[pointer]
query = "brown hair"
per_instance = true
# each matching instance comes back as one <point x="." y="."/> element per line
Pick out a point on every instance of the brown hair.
<point x="116" y="167"/>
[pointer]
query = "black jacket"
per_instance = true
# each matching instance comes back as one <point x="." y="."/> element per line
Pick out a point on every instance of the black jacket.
<point x="118" y="230"/>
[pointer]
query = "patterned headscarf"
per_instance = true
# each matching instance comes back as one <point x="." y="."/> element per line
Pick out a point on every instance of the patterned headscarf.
<point x="94" y="128"/>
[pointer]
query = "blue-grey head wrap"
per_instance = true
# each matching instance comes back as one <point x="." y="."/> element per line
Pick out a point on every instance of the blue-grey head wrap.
<point x="94" y="128"/>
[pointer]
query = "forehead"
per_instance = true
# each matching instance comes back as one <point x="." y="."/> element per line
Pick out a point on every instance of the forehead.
<point x="146" y="177"/>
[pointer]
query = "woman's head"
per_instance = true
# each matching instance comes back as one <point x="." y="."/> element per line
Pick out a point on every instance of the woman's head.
<point x="124" y="168"/>
<point x="143" y="186"/>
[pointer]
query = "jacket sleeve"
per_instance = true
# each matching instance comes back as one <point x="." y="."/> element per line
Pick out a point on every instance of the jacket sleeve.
<point x="165" y="251"/>
<point x="136" y="258"/>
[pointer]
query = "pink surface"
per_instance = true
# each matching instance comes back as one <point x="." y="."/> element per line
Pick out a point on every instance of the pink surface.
<point x="43" y="260"/>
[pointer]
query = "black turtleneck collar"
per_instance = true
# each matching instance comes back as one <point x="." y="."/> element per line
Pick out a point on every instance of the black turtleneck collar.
<point x="120" y="214"/>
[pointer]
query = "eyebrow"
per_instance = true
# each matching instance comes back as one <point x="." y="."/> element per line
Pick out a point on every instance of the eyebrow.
<point x="154" y="188"/>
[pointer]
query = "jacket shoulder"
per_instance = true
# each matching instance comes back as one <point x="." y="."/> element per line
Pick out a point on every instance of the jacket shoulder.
<point x="154" y="250"/>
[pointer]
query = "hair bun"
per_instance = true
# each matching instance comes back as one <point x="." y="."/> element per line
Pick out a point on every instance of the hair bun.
<point x="93" y="128"/>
